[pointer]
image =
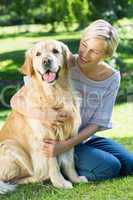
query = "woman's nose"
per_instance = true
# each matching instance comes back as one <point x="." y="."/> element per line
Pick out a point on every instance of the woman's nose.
<point x="84" y="53"/>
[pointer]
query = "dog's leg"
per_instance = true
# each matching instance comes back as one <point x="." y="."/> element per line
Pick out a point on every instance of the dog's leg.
<point x="9" y="169"/>
<point x="14" y="164"/>
<point x="40" y="169"/>
<point x="67" y="161"/>
<point x="55" y="175"/>
<point x="27" y="180"/>
<point x="14" y="161"/>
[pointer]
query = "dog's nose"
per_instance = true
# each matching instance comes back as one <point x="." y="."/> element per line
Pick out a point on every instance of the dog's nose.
<point x="47" y="62"/>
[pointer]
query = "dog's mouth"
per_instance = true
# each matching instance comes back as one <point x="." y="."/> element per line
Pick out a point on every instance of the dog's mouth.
<point x="49" y="76"/>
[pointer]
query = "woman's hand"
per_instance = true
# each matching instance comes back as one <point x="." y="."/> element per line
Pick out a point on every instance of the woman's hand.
<point x="55" y="118"/>
<point x="53" y="148"/>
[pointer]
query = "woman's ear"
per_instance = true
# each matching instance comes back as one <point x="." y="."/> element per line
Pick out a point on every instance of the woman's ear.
<point x="27" y="67"/>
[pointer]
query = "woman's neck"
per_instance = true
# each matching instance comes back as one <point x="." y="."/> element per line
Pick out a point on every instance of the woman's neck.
<point x="97" y="72"/>
<point x="91" y="69"/>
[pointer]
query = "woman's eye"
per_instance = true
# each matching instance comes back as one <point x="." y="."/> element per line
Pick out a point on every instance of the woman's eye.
<point x="38" y="53"/>
<point x="96" y="52"/>
<point x="55" y="51"/>
<point x="83" y="46"/>
<point x="93" y="51"/>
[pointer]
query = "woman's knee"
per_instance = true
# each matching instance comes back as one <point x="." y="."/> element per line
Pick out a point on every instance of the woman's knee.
<point x="127" y="165"/>
<point x="113" y="168"/>
<point x="108" y="169"/>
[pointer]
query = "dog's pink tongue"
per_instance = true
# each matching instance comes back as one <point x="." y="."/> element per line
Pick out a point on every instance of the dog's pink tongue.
<point x="49" y="77"/>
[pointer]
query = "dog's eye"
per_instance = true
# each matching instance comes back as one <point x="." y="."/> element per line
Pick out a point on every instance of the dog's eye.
<point x="38" y="53"/>
<point x="55" y="51"/>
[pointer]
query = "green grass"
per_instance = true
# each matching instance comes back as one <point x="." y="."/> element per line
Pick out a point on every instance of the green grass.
<point x="117" y="189"/>
<point x="122" y="125"/>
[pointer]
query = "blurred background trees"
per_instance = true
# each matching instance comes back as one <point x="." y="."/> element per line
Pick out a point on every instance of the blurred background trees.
<point x="14" y="12"/>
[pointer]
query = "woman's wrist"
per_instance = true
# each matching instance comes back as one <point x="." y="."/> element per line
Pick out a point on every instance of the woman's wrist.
<point x="81" y="136"/>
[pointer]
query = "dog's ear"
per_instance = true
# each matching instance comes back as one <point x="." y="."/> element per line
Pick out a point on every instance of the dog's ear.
<point x="27" y="67"/>
<point x="69" y="57"/>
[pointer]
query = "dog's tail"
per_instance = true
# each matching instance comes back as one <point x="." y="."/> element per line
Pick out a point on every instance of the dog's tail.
<point x="6" y="187"/>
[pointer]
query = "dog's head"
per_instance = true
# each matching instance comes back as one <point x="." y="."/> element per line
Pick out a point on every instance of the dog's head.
<point x="47" y="60"/>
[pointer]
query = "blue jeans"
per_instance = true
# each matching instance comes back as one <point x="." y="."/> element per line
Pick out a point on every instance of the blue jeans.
<point x="102" y="158"/>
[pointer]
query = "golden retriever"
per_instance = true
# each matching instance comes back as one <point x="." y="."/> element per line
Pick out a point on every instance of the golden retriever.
<point x="21" y="159"/>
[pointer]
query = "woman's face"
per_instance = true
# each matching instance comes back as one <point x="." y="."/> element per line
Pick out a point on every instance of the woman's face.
<point x="91" y="51"/>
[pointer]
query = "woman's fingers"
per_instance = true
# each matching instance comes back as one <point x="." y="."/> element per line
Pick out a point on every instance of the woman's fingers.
<point x="55" y="124"/>
<point x="63" y="114"/>
<point x="56" y="118"/>
<point x="62" y="117"/>
<point x="47" y="142"/>
<point x="45" y="145"/>
<point x="46" y="152"/>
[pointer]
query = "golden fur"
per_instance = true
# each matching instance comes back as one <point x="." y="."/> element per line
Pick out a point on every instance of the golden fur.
<point x="21" y="158"/>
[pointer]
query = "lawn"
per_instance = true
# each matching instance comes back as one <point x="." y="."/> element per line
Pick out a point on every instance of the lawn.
<point x="117" y="189"/>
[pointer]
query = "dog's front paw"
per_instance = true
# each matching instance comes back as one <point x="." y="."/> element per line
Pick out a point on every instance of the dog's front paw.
<point x="82" y="179"/>
<point x="67" y="185"/>
<point x="63" y="184"/>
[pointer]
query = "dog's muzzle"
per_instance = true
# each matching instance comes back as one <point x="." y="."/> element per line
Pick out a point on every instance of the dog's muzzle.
<point x="49" y="76"/>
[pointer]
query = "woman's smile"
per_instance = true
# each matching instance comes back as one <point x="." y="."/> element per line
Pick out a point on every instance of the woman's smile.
<point x="84" y="60"/>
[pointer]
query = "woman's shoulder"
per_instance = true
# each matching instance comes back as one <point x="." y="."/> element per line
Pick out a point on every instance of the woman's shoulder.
<point x="109" y="71"/>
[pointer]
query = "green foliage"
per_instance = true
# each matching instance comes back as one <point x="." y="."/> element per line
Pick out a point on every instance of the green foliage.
<point x="111" y="10"/>
<point x="82" y="12"/>
<point x="65" y="11"/>
<point x="69" y="17"/>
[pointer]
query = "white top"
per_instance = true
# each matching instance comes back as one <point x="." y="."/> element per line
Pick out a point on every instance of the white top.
<point x="97" y="98"/>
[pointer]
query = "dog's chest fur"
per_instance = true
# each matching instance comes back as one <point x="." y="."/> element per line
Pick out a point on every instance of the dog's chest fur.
<point x="62" y="100"/>
<point x="56" y="98"/>
<point x="60" y="132"/>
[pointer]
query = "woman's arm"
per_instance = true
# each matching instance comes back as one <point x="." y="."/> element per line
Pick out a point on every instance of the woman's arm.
<point x="84" y="134"/>
<point x="52" y="148"/>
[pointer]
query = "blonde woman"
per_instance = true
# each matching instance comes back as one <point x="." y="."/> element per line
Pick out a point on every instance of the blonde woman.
<point x="97" y="158"/>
